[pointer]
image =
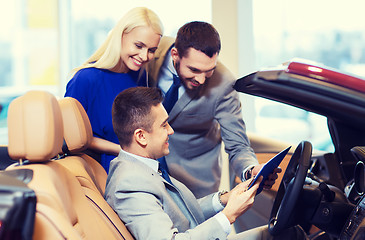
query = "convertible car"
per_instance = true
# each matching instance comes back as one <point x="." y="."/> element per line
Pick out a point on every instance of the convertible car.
<point x="50" y="188"/>
<point x="321" y="191"/>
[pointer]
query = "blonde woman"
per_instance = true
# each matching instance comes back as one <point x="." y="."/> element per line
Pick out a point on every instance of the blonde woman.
<point x="118" y="64"/>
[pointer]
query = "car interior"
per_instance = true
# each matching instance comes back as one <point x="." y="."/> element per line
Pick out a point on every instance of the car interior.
<point x="52" y="189"/>
<point x="62" y="187"/>
<point x="321" y="191"/>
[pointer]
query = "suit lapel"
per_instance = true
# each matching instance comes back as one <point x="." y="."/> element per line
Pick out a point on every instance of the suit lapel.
<point x="181" y="103"/>
<point x="190" y="202"/>
<point x="185" y="196"/>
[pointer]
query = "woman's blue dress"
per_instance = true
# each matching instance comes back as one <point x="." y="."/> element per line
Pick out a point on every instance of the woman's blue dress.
<point x="96" y="90"/>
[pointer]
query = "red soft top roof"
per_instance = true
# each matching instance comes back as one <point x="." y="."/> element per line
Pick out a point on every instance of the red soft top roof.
<point x="326" y="74"/>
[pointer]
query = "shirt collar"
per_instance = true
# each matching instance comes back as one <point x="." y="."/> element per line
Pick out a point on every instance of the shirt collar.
<point x="152" y="163"/>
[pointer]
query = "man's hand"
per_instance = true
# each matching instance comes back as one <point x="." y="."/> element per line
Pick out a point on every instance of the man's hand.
<point x="239" y="199"/>
<point x="272" y="177"/>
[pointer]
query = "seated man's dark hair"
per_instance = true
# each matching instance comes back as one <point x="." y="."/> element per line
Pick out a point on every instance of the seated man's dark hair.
<point x="130" y="110"/>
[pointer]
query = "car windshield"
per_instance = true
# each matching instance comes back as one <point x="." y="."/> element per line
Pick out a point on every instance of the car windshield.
<point x="290" y="124"/>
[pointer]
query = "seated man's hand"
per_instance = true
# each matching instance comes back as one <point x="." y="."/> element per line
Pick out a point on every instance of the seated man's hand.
<point x="239" y="199"/>
<point x="272" y="177"/>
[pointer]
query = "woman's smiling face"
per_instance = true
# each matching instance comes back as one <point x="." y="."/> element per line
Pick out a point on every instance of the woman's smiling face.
<point x="138" y="47"/>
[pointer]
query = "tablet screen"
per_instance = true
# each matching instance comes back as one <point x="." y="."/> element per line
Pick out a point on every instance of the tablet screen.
<point x="268" y="168"/>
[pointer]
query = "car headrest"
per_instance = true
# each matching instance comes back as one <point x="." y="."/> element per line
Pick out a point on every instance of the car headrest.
<point x="35" y="128"/>
<point x="76" y="125"/>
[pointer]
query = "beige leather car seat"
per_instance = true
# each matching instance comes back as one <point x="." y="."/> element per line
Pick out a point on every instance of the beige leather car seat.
<point x="77" y="136"/>
<point x="91" y="175"/>
<point x="63" y="210"/>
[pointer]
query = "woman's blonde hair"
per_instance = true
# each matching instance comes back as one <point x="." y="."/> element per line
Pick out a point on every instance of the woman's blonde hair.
<point x="108" y="54"/>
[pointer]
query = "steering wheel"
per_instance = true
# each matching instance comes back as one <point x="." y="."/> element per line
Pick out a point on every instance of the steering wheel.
<point x="290" y="188"/>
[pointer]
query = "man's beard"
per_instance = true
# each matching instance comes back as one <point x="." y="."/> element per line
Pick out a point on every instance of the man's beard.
<point x="183" y="80"/>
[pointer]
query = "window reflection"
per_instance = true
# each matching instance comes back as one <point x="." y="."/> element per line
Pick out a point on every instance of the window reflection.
<point x="291" y="124"/>
<point x="328" y="32"/>
<point x="42" y="40"/>
<point x="331" y="32"/>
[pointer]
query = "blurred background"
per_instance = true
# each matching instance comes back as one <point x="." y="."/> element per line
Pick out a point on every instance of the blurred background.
<point x="42" y="40"/>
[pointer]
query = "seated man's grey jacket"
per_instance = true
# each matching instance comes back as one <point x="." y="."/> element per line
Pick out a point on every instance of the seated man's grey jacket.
<point x="152" y="208"/>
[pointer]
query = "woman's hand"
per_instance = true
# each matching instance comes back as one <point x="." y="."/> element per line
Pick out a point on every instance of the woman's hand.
<point x="104" y="146"/>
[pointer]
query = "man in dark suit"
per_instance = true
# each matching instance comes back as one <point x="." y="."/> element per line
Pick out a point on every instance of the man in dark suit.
<point x="154" y="205"/>
<point x="208" y="110"/>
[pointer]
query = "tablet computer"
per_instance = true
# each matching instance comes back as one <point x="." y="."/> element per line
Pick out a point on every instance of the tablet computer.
<point x="268" y="168"/>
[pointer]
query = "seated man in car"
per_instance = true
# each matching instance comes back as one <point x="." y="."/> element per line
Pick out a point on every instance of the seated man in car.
<point x="154" y="205"/>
